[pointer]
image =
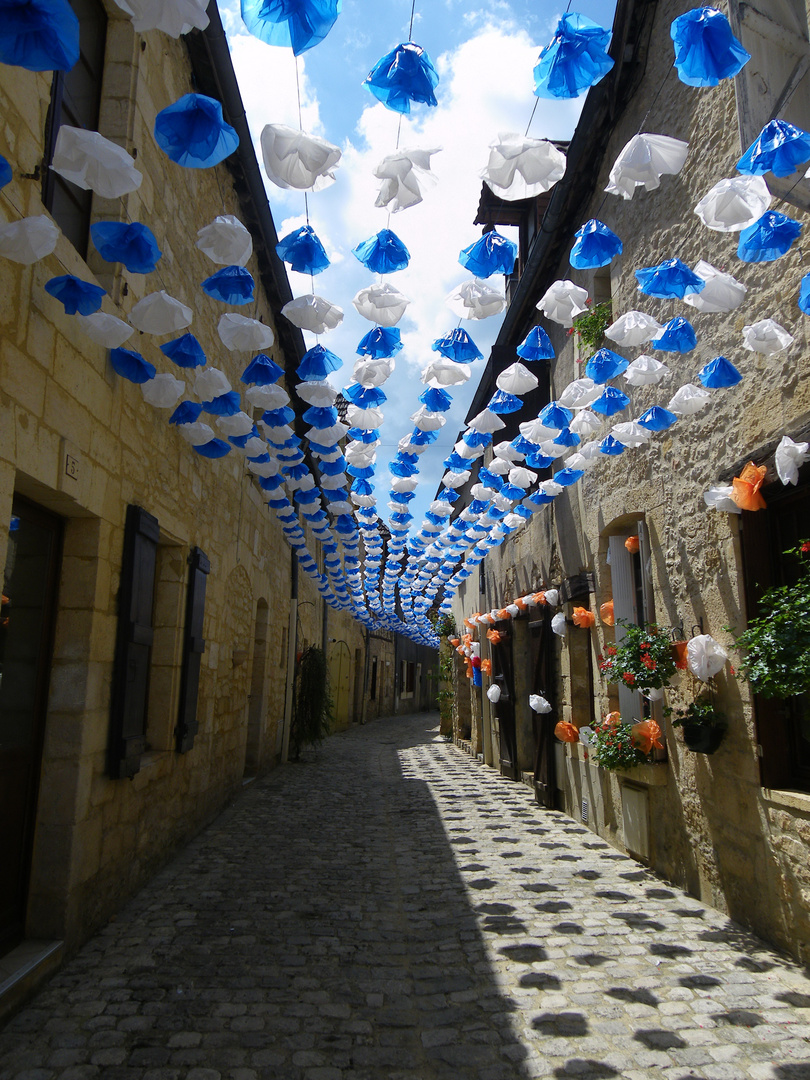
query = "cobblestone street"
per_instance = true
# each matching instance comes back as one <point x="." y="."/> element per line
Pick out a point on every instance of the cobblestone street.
<point x="390" y="908"/>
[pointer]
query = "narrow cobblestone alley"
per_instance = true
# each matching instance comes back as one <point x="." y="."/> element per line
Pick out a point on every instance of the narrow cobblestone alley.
<point x="392" y="909"/>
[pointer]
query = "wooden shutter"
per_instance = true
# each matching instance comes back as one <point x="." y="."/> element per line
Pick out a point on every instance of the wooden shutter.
<point x="133" y="646"/>
<point x="193" y="649"/>
<point x="624" y="608"/>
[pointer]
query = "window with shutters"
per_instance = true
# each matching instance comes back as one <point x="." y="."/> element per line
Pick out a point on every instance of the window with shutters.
<point x="167" y="642"/>
<point x="631" y="586"/>
<point x="76" y="102"/>
<point x="775" y="83"/>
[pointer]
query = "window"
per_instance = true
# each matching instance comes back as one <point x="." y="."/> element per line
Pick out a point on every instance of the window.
<point x="775" y="83"/>
<point x="632" y="602"/>
<point x="783" y="726"/>
<point x="75" y="101"/>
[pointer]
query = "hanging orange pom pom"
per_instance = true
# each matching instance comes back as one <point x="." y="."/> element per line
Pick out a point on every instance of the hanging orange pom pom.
<point x="606" y="613"/>
<point x="539" y="598"/>
<point x="745" y="487"/>
<point x="522" y="605"/>
<point x="486" y="667"/>
<point x="679" y="654"/>
<point x="584" y="618"/>
<point x="566" y="732"/>
<point x="495" y="636"/>
<point x="504" y="614"/>
<point x="454" y="641"/>
<point x="632" y="544"/>
<point x="613" y="719"/>
<point x="646" y="736"/>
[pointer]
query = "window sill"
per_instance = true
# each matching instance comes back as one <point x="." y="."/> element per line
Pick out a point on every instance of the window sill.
<point x="656" y="775"/>
<point x="789" y="800"/>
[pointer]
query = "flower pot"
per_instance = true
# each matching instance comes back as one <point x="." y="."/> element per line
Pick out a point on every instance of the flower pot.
<point x="679" y="654"/>
<point x="702" y="738"/>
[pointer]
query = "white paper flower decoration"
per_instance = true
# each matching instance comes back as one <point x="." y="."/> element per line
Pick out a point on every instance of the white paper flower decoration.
<point x="790" y="456"/>
<point x="28" y="240"/>
<point x="643" y="161"/>
<point x="522" y="478"/>
<point x="521" y="168"/>
<point x="631" y="434"/>
<point x="633" y="328"/>
<point x="766" y="337"/>
<point x="198" y="434"/>
<point x="164" y="391"/>
<point x="450" y="479"/>
<point x="646" y="371"/>
<point x="105" y="330"/>
<point x="237" y="425"/>
<point x="507" y="452"/>
<point x="314" y="313"/>
<point x="405" y="177"/>
<point x="688" y="400"/>
<point x="516" y="379"/>
<point x="721" y="293"/>
<point x="226" y="241"/>
<point x="210" y="382"/>
<point x="585" y="423"/>
<point x="475" y="300"/>
<point x="372" y="372"/>
<point x="536" y="431"/>
<point x="241" y="334"/>
<point x="381" y="304"/>
<point x="158" y="313"/>
<point x="486" y="422"/>
<point x="173" y="17"/>
<point x="268" y="397"/>
<point x="719" y="498"/>
<point x="559" y="625"/>
<point x="426" y="420"/>
<point x="562" y="302"/>
<point x="444" y="372"/>
<point x="705" y="657"/>
<point x="734" y="204"/>
<point x="94" y="163"/>
<point x="320" y="394"/>
<point x="539" y="704"/>
<point x="293" y="159"/>
<point x="580" y="393"/>
<point x="369" y="419"/>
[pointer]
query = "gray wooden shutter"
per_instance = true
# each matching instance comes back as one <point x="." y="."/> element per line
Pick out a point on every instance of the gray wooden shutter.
<point x="193" y="648"/>
<point x="133" y="646"/>
<point x="624" y="608"/>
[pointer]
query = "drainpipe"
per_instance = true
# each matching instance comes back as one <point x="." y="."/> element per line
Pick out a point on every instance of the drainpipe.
<point x="291" y="646"/>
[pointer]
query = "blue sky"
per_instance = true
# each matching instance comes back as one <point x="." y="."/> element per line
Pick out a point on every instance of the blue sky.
<point x="485" y="54"/>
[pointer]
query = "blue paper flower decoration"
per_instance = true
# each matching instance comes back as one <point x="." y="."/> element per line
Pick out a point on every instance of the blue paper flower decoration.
<point x="574" y="59"/>
<point x="278" y="417"/>
<point x="567" y="437"/>
<point x="383" y="253"/>
<point x="241" y="440"/>
<point x="187" y="412"/>
<point x="436" y="399"/>
<point x="296" y="24"/>
<point x="540" y="498"/>
<point x="779" y="148"/>
<point x="538" y="460"/>
<point x="492" y="254"/>
<point x="458" y="346"/>
<point x="224" y="404"/>
<point x="769" y="238"/>
<point x="476" y="438"/>
<point x="133" y="245"/>
<point x="804" y="294"/>
<point x="231" y="285"/>
<point x="706" y="51"/>
<point x="362" y="487"/>
<point x="404" y="75"/>
<point x="365" y="435"/>
<point x="670" y="280"/>
<point x="215" y="448"/>
<point x="611" y="446"/>
<point x="612" y="401"/>
<point x="456" y="463"/>
<point x="554" y="416"/>
<point x="567" y="477"/>
<point x="193" y="133"/>
<point x="131" y="365"/>
<point x="75" y="295"/>
<point x="605" y="365"/>
<point x="5" y="172"/>
<point x="317" y="363"/>
<point x="303" y="251"/>
<point x="40" y="35"/>
<point x="365" y="397"/>
<point x="595" y="245"/>
<point x="262" y="370"/>
<point x="317" y="416"/>
<point x="380" y="343"/>
<point x="491" y="479"/>
<point x="657" y="419"/>
<point x="185" y="351"/>
<point x="678" y="335"/>
<point x="332" y="468"/>
<point x="502" y="403"/>
<point x="522" y="444"/>
<point x="719" y="374"/>
<point x="536" y="345"/>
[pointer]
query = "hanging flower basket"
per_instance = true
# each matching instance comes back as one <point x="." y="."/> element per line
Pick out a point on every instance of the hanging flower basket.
<point x="643" y="661"/>
<point x="704" y="728"/>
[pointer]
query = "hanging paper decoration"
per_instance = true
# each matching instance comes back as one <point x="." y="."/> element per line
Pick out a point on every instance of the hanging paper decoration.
<point x="678" y="336"/>
<point x="536" y="345"/>
<point x="516" y="379"/>
<point x="133" y="244"/>
<point x="295" y="24"/>
<point x="642" y="163"/>
<point x="605" y="365"/>
<point x="458" y="346"/>
<point x="159" y="313"/>
<point x="240" y="334"/>
<point x="631" y="433"/>
<point x="28" y="240"/>
<point x="611" y="402"/>
<point x="75" y="295"/>
<point x="706" y="51"/>
<point x="492" y="254"/>
<point x="670" y="280"/>
<point x="185" y="351"/>
<point x="575" y="58"/>
<point x="105" y="330"/>
<point x="766" y="337"/>
<point x="719" y="374"/>
<point x="719" y="498"/>
<point x="313" y="393"/>
<point x="444" y="373"/>
<point x="39" y="35"/>
<point x="380" y="343"/>
<point x="5" y="172"/>
<point x="216" y="448"/>
<point x="303" y="251"/>
<point x="633" y="328"/>
<point x="233" y="285"/>
<point x="314" y="313"/>
<point x="595" y="245"/>
<point x="646" y="371"/>
<point x="383" y="253"/>
<point x="789" y="458"/>
<point x="317" y="363"/>
<point x="404" y="75"/>
<point x="705" y="657"/>
<point x="475" y="300"/>
<point x="580" y="393"/>
<point x="373" y="372"/>
<point x="193" y="133"/>
<point x="293" y="159"/>
<point x="688" y="400"/>
<point x="804" y="294"/>
<point x="769" y="238"/>
<point x="94" y="163"/>
<point x="226" y="241"/>
<point x="173" y="17"/>
<point x="131" y="365"/>
<point x="522" y="168"/>
<point x="734" y="204"/>
<point x="657" y="419"/>
<point x="163" y="392"/>
<point x="237" y="425"/>
<point x="269" y="397"/>
<point x="210" y="383"/>
<point x="381" y="304"/>
<point x="722" y="292"/>
<point x="779" y="148"/>
<point x="405" y="176"/>
<point x="262" y="370"/>
<point x="562" y="302"/>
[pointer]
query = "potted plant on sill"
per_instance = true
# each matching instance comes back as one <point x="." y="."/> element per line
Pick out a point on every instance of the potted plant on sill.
<point x="616" y="745"/>
<point x="703" y="726"/>
<point x="643" y="661"/>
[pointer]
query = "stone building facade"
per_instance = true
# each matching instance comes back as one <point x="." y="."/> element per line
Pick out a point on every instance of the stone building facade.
<point x="732" y="828"/>
<point x="89" y="809"/>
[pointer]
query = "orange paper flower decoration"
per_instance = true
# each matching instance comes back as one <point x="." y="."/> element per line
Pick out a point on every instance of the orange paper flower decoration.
<point x="504" y="614"/>
<point x="631" y="543"/>
<point x="495" y="636"/>
<point x="679" y="654"/>
<point x="539" y="598"/>
<point x="745" y="487"/>
<point x="606" y="613"/>
<point x="613" y="719"/>
<point x="521" y="604"/>
<point x="566" y="732"/>
<point x="584" y="618"/>
<point x="646" y="735"/>
<point x="454" y="641"/>
<point x="486" y="667"/>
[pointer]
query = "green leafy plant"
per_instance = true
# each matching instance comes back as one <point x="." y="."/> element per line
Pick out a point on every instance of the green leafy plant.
<point x="776" y="644"/>
<point x="643" y="661"/>
<point x="445" y="625"/>
<point x="612" y="746"/>
<point x="312" y="705"/>
<point x="701" y="711"/>
<point x="590" y="326"/>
